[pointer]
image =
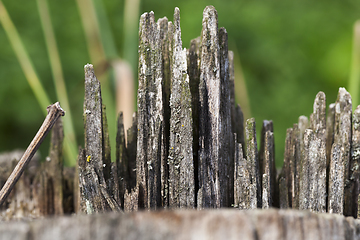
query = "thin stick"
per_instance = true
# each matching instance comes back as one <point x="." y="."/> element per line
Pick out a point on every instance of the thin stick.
<point x="54" y="112"/>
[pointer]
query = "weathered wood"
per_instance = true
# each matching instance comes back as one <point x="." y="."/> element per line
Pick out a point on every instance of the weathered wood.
<point x="166" y="29"/>
<point x="180" y="160"/>
<point x="303" y="124"/>
<point x="91" y="163"/>
<point x="106" y="151"/>
<point x="194" y="81"/>
<point x="211" y="124"/>
<point x="269" y="173"/>
<point x="50" y="177"/>
<point x="150" y="113"/>
<point x="242" y="185"/>
<point x="253" y="161"/>
<point x="285" y="188"/>
<point x="54" y="112"/>
<point x="22" y="203"/>
<point x="94" y="164"/>
<point x="295" y="166"/>
<point x="121" y="159"/>
<point x="266" y="126"/>
<point x="131" y="151"/>
<point x="354" y="180"/>
<point x="330" y="122"/>
<point x="131" y="194"/>
<point x="230" y="224"/>
<point x="312" y="192"/>
<point x="318" y="117"/>
<point x="340" y="156"/>
<point x="226" y="141"/>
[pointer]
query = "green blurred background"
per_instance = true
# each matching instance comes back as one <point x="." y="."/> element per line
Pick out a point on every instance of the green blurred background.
<point x="285" y="51"/>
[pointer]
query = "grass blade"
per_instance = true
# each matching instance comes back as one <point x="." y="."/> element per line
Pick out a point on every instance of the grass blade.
<point x="70" y="145"/>
<point x="23" y="58"/>
<point x="354" y="80"/>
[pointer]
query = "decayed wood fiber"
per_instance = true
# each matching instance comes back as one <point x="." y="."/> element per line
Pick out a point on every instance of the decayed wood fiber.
<point x="189" y="224"/>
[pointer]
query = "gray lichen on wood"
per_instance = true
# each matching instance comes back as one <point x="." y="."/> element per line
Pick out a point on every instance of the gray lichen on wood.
<point x="95" y="157"/>
<point x="226" y="142"/>
<point x="180" y="159"/>
<point x="242" y="185"/>
<point x="91" y="163"/>
<point x="150" y="113"/>
<point x="50" y="177"/>
<point x="253" y="163"/>
<point x="285" y="184"/>
<point x="209" y="96"/>
<point x="269" y="173"/>
<point x="312" y="192"/>
<point x="340" y="154"/>
<point x="166" y="29"/>
<point x="354" y="180"/>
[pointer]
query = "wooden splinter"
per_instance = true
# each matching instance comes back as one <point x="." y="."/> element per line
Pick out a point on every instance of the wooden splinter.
<point x="54" y="112"/>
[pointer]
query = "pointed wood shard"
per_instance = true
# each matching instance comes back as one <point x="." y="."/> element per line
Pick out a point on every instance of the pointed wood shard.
<point x="340" y="156"/>
<point x="180" y="160"/>
<point x="242" y="185"/>
<point x="209" y="96"/>
<point x="253" y="163"/>
<point x="150" y="113"/>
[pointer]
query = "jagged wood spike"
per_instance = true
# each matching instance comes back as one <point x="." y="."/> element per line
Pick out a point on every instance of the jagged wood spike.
<point x="330" y="122"/>
<point x="339" y="200"/>
<point x="131" y="196"/>
<point x="150" y="113"/>
<point x="93" y="120"/>
<point x="242" y="185"/>
<point x="194" y="80"/>
<point x="269" y="174"/>
<point x="166" y="35"/>
<point x="285" y="177"/>
<point x="91" y="166"/>
<point x="49" y="178"/>
<point x="180" y="160"/>
<point x="209" y="97"/>
<point x="295" y="166"/>
<point x="106" y="153"/>
<point x="354" y="180"/>
<point x="266" y="126"/>
<point x="318" y="117"/>
<point x="253" y="163"/>
<point x="312" y="193"/>
<point x="121" y="159"/>
<point x="131" y="151"/>
<point x="226" y="141"/>
<point x="313" y="175"/>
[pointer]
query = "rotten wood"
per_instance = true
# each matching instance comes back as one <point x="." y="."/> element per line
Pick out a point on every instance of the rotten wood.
<point x="340" y="156"/>
<point x="150" y="114"/>
<point x="214" y="117"/>
<point x="180" y="159"/>
<point x="253" y="162"/>
<point x="54" y="112"/>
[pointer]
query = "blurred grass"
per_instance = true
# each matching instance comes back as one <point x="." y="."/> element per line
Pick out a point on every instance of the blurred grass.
<point x="70" y="144"/>
<point x="289" y="51"/>
<point x="354" y="81"/>
<point x="23" y="58"/>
